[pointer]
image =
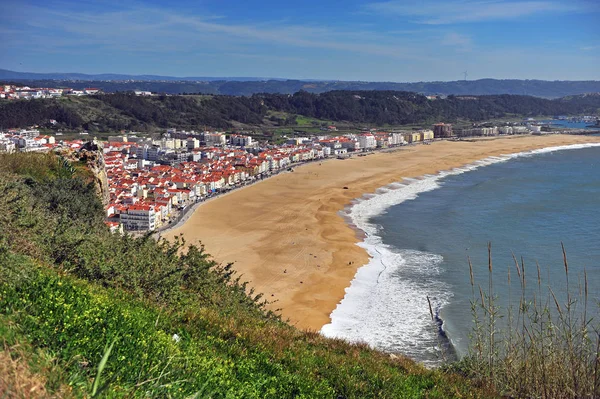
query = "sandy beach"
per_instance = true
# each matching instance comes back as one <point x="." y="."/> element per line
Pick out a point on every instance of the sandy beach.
<point x="285" y="234"/>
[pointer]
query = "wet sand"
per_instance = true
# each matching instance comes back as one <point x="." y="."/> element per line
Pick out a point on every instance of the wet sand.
<point x="285" y="234"/>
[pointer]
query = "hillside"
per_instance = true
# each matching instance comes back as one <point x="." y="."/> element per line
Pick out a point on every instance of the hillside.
<point x="247" y="86"/>
<point x="122" y="111"/>
<point x="181" y="325"/>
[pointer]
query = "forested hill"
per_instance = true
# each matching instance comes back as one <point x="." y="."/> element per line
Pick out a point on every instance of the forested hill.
<point x="119" y="111"/>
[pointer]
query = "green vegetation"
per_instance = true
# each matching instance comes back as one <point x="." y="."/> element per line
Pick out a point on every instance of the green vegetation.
<point x="404" y="108"/>
<point x="303" y="110"/>
<point x="540" y="348"/>
<point x="84" y="312"/>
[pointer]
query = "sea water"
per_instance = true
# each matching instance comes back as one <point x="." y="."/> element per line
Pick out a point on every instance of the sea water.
<point x="562" y="123"/>
<point x="420" y="233"/>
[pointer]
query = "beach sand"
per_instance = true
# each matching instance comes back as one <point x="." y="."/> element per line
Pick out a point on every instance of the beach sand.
<point x="285" y="234"/>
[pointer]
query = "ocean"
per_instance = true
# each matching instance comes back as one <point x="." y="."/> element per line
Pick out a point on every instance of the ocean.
<point x="420" y="232"/>
<point x="569" y="124"/>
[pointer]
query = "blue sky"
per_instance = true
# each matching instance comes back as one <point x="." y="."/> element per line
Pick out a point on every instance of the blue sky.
<point x="394" y="40"/>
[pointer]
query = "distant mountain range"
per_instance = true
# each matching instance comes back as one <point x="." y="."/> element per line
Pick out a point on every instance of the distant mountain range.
<point x="251" y="85"/>
<point x="5" y="74"/>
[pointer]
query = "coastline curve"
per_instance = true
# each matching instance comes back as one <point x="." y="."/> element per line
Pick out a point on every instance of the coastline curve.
<point x="385" y="305"/>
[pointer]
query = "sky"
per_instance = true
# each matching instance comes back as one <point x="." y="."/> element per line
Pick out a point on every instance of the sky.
<point x="379" y="40"/>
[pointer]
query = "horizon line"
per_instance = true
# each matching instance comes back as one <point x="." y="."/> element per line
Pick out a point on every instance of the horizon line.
<point x="260" y="78"/>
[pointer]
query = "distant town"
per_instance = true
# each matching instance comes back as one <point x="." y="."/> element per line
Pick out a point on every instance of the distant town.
<point x="153" y="182"/>
<point x="13" y="92"/>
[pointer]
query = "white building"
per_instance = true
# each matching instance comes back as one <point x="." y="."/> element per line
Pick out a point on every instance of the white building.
<point x="29" y="133"/>
<point x="520" y="130"/>
<point x="367" y="141"/>
<point x="215" y="139"/>
<point x="7" y="146"/>
<point x="192" y="143"/>
<point x="139" y="217"/>
<point x="26" y="142"/>
<point x="149" y="153"/>
<point x="241" y="141"/>
<point x="397" y="139"/>
<point x="31" y="93"/>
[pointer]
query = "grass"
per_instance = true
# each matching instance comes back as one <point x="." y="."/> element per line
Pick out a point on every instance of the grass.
<point x="16" y="378"/>
<point x="307" y="121"/>
<point x="539" y="347"/>
<point x="232" y="358"/>
<point x="27" y="372"/>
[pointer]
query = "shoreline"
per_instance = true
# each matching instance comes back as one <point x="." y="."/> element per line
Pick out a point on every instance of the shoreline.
<point x="370" y="290"/>
<point x="288" y="237"/>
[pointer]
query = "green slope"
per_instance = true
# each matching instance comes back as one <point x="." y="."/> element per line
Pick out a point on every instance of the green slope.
<point x="68" y="288"/>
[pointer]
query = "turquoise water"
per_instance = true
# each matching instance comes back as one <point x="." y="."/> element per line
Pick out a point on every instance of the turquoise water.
<point x="420" y="235"/>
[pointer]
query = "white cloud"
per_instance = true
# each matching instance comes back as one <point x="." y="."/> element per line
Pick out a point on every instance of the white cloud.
<point x="141" y="28"/>
<point x="458" y="40"/>
<point x="459" y="11"/>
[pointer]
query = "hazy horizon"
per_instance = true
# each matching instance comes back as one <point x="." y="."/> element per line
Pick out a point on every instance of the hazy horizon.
<point x="260" y="78"/>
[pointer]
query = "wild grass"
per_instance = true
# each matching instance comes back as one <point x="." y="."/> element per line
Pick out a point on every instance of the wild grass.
<point x="17" y="380"/>
<point x="27" y="372"/>
<point x="542" y="345"/>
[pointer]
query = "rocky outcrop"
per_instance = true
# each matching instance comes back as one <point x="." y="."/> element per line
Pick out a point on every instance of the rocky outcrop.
<point x="93" y="156"/>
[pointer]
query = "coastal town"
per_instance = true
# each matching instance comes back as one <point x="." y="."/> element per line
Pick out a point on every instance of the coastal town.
<point x="152" y="183"/>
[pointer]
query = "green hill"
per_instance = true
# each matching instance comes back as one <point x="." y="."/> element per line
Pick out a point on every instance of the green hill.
<point x="179" y="324"/>
<point x="122" y="111"/>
